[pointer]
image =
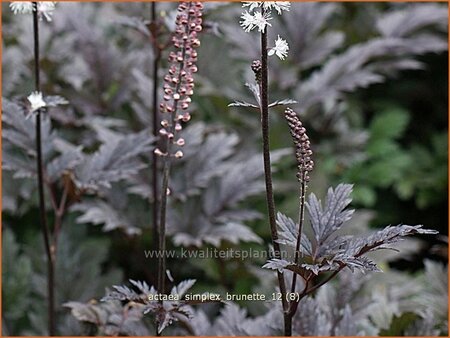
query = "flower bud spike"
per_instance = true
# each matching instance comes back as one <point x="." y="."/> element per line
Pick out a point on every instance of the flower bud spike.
<point x="303" y="151"/>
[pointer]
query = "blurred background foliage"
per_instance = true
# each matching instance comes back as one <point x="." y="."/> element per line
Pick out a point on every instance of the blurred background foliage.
<point x="371" y="84"/>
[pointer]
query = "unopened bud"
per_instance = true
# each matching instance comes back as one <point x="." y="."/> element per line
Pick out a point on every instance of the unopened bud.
<point x="159" y="152"/>
<point x="186" y="117"/>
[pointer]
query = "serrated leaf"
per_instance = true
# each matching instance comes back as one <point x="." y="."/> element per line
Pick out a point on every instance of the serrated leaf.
<point x="311" y="43"/>
<point x="277" y="264"/>
<point x="55" y="100"/>
<point x="284" y="102"/>
<point x="242" y="104"/>
<point x="183" y="287"/>
<point x="21" y="132"/>
<point x="166" y="312"/>
<point x="70" y="157"/>
<point x="288" y="234"/>
<point x="254" y="88"/>
<point x="357" y="68"/>
<point x="407" y="21"/>
<point x="208" y="162"/>
<point x="215" y="216"/>
<point x="101" y="213"/>
<point x="116" y="159"/>
<point x="325" y="221"/>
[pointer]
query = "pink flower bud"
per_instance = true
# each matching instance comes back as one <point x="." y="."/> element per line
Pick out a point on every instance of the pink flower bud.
<point x="186" y="117"/>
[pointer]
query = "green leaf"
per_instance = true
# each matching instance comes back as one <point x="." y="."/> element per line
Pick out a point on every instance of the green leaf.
<point x="389" y="124"/>
<point x="381" y="147"/>
<point x="400" y="324"/>
<point x="16" y="277"/>
<point x="365" y="195"/>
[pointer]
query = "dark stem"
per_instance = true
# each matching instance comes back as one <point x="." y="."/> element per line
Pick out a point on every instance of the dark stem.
<point x="59" y="211"/>
<point x="294" y="304"/>
<point x="49" y="250"/>
<point x="165" y="188"/>
<point x="162" y="226"/>
<point x="155" y="120"/>
<point x="162" y="231"/>
<point x="157" y="235"/>
<point x="267" y="166"/>
<point x="301" y="218"/>
<point x="223" y="274"/>
<point x="288" y="325"/>
<point x="326" y="280"/>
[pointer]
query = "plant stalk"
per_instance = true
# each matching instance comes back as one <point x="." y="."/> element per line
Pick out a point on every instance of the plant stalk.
<point x="267" y="167"/>
<point x="49" y="250"/>
<point x="301" y="217"/>
<point x="288" y="325"/>
<point x="165" y="190"/>
<point x="155" y="119"/>
<point x="162" y="229"/>
<point x="162" y="226"/>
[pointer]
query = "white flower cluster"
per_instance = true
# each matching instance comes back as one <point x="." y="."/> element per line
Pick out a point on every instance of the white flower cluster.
<point x="258" y="16"/>
<point x="44" y="8"/>
<point x="257" y="19"/>
<point x="281" y="48"/>
<point x="279" y="6"/>
<point x="36" y="101"/>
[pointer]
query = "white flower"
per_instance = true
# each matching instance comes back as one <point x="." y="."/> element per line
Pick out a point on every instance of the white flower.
<point x="251" y="21"/>
<point x="247" y="21"/>
<point x="21" y="7"/>
<point x="251" y="4"/>
<point x="36" y="100"/>
<point x="44" y="8"/>
<point x="281" y="48"/>
<point x="279" y="6"/>
<point x="261" y="20"/>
